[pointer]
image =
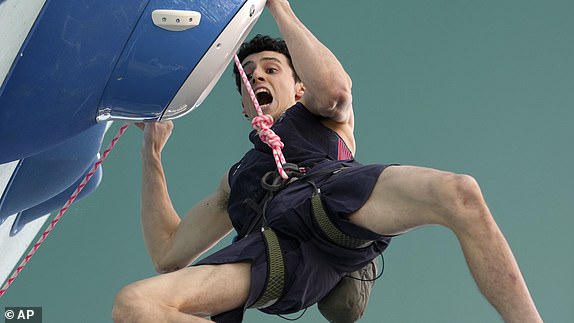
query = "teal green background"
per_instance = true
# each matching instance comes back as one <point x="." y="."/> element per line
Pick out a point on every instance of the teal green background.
<point x="478" y="87"/>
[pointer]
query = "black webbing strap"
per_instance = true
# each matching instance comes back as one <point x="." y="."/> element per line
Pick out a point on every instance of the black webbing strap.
<point x="329" y="229"/>
<point x="275" y="271"/>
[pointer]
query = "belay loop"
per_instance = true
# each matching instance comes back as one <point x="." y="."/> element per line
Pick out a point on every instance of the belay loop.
<point x="272" y="182"/>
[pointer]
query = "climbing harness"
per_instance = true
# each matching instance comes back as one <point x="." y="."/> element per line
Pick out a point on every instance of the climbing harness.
<point x="273" y="183"/>
<point x="64" y="209"/>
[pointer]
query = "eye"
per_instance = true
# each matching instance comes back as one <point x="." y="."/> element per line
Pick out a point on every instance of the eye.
<point x="249" y="70"/>
<point x="271" y="70"/>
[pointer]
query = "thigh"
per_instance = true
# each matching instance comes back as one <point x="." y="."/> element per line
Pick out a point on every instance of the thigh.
<point x="202" y="290"/>
<point x="403" y="198"/>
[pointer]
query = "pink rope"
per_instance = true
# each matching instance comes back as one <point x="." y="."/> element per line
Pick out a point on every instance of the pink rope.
<point x="64" y="209"/>
<point x="262" y="124"/>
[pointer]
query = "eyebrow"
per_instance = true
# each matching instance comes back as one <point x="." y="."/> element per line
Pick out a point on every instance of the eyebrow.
<point x="266" y="58"/>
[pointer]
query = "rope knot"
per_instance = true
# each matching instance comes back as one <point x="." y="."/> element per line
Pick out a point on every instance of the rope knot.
<point x="263" y="121"/>
<point x="262" y="125"/>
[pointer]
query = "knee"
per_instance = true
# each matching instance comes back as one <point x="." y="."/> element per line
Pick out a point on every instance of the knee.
<point x="128" y="305"/>
<point x="462" y="200"/>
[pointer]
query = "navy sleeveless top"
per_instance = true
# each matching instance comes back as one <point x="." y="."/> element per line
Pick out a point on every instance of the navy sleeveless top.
<point x="307" y="142"/>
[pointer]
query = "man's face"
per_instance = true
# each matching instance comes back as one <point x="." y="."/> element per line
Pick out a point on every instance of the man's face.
<point x="272" y="80"/>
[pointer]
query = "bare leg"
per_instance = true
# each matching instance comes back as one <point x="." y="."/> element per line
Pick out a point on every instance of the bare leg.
<point x="187" y="295"/>
<point x="408" y="197"/>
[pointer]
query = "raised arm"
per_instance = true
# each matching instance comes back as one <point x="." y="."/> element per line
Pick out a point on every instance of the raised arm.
<point x="171" y="242"/>
<point x="327" y="85"/>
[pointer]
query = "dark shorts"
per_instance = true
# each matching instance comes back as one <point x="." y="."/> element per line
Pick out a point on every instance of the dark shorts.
<point x="314" y="265"/>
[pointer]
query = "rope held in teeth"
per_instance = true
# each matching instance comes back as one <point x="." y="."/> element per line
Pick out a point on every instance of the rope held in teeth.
<point x="262" y="124"/>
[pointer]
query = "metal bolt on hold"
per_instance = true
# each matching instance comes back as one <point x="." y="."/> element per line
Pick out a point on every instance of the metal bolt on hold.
<point x="252" y="11"/>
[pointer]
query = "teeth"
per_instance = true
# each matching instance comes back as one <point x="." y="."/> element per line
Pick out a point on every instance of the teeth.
<point x="263" y="96"/>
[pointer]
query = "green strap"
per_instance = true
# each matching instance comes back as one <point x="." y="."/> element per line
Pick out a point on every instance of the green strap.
<point x="275" y="271"/>
<point x="275" y="283"/>
<point x="330" y="230"/>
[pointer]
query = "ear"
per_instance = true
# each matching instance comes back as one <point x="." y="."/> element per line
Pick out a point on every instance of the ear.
<point x="299" y="90"/>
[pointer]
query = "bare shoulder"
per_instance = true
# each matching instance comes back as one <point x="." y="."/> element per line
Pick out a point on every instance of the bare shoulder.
<point x="337" y="114"/>
<point x="336" y="106"/>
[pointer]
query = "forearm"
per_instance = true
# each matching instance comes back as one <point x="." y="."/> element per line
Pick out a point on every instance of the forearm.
<point x="315" y="64"/>
<point x="205" y="224"/>
<point x="158" y="217"/>
<point x="173" y="242"/>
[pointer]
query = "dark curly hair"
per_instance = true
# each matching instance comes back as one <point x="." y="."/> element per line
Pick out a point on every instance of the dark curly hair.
<point x="261" y="43"/>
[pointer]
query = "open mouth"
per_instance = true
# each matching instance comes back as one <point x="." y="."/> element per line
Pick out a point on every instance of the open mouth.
<point x="263" y="96"/>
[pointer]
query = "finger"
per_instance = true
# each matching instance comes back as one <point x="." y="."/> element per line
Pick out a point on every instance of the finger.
<point x="169" y="125"/>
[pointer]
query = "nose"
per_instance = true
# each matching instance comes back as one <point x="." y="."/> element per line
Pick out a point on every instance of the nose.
<point x="256" y="76"/>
